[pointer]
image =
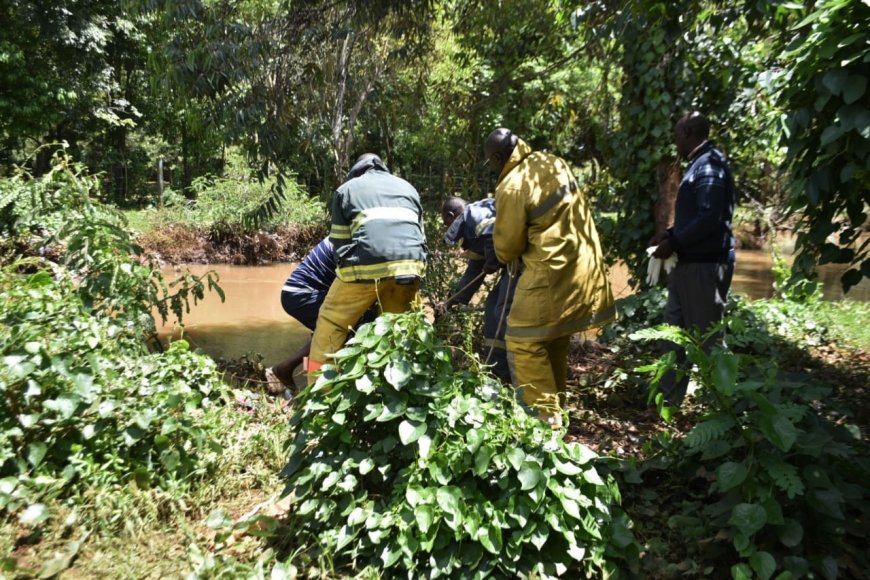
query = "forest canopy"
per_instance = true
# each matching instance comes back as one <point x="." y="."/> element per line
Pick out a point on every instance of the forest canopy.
<point x="301" y="88"/>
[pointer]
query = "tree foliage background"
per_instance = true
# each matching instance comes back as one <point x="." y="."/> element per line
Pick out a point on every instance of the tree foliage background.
<point x="303" y="87"/>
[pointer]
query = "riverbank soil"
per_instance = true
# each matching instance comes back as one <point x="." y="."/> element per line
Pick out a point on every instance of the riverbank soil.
<point x="184" y="244"/>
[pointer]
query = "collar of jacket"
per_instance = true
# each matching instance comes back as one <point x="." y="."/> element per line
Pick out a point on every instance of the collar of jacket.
<point x="365" y="165"/>
<point x="521" y="151"/>
<point x="699" y="150"/>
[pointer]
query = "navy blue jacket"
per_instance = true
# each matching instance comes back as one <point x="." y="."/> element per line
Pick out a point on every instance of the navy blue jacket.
<point x="474" y="229"/>
<point x="704" y="209"/>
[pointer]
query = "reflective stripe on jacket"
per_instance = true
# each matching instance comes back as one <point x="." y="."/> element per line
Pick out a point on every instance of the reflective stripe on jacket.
<point x="377" y="226"/>
<point x="543" y="218"/>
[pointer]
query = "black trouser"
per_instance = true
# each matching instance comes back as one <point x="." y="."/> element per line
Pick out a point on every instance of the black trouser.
<point x="697" y="293"/>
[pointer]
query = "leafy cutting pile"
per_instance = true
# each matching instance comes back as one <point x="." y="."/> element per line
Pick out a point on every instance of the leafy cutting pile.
<point x="400" y="463"/>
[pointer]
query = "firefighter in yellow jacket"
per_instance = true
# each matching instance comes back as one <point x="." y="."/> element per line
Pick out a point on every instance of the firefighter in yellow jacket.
<point x="543" y="221"/>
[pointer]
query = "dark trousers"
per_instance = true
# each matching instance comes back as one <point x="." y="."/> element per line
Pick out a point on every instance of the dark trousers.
<point x="697" y="293"/>
<point x="497" y="307"/>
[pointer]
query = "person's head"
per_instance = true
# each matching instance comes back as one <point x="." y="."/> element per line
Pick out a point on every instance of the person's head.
<point x="452" y="209"/>
<point x="363" y="163"/>
<point x="689" y="132"/>
<point x="498" y="149"/>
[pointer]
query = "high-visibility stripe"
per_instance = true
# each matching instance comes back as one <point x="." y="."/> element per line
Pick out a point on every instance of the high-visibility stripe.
<point x="383" y="270"/>
<point x="483" y="225"/>
<point x="554" y="198"/>
<point x="494" y="343"/>
<point x="339" y="232"/>
<point x="469" y="255"/>
<point x="397" y="214"/>
<point x="538" y="333"/>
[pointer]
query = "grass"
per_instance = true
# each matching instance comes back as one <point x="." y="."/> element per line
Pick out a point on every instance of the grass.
<point x="134" y="533"/>
<point x="847" y="320"/>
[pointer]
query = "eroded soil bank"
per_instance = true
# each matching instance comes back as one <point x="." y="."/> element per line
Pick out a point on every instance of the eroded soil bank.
<point x="177" y="244"/>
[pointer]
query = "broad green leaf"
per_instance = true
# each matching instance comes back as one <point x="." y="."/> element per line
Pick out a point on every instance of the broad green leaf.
<point x="763" y="564"/>
<point x="412" y="496"/>
<point x="36" y="453"/>
<point x="748" y="518"/>
<point x="791" y="534"/>
<point x="730" y="475"/>
<point x="398" y="374"/>
<point x="854" y="88"/>
<point x="836" y="80"/>
<point x="571" y="508"/>
<point x="491" y="539"/>
<point x="725" y="372"/>
<point x="65" y="405"/>
<point x="577" y="552"/>
<point x="741" y="572"/>
<point x="449" y="499"/>
<point x="482" y="459"/>
<point x="530" y="474"/>
<point x="473" y="439"/>
<point x="778" y="430"/>
<point x="566" y="468"/>
<point x="364" y="385"/>
<point x="424" y="515"/>
<point x="410" y="431"/>
<point x="366" y="465"/>
<point x="539" y="536"/>
<point x="425" y="445"/>
<point x="830" y="568"/>
<point x="356" y="517"/>
<point x="773" y="511"/>
<point x="515" y="457"/>
<point x="591" y="475"/>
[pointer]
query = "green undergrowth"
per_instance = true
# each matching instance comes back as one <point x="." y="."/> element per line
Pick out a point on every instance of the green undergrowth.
<point x="219" y="205"/>
<point x="400" y="464"/>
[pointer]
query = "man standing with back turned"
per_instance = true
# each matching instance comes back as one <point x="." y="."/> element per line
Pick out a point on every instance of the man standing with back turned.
<point x="543" y="219"/>
<point x="380" y="249"/>
<point x="701" y="236"/>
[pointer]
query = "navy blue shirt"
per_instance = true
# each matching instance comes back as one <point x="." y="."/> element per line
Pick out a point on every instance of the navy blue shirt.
<point x="473" y="227"/>
<point x="704" y="209"/>
<point x="317" y="270"/>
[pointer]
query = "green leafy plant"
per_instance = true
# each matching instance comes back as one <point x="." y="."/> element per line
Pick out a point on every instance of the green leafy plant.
<point x="785" y="484"/>
<point x="57" y="215"/>
<point x="400" y="463"/>
<point x="83" y="403"/>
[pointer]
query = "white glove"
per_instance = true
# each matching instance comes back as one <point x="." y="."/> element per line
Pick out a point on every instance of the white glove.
<point x="654" y="267"/>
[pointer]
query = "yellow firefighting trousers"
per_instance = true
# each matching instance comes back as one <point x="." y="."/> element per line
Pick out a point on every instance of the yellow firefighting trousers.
<point x="344" y="305"/>
<point x="540" y="370"/>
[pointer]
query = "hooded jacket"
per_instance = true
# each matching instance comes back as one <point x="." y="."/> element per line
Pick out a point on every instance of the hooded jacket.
<point x="542" y="217"/>
<point x="377" y="226"/>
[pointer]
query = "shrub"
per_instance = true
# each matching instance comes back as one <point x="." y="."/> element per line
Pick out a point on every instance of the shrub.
<point x="786" y="484"/>
<point x="83" y="403"/>
<point x="399" y="463"/>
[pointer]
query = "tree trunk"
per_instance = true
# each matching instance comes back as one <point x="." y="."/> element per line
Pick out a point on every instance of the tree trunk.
<point x="339" y="156"/>
<point x="667" y="183"/>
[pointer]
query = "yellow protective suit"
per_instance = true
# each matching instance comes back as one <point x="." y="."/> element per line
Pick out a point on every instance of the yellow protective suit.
<point x="542" y="218"/>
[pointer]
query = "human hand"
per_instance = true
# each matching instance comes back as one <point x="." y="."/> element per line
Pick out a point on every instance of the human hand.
<point x="658" y="237"/>
<point x="664" y="249"/>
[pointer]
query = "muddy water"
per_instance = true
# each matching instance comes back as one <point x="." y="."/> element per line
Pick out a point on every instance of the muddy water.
<point x="252" y="320"/>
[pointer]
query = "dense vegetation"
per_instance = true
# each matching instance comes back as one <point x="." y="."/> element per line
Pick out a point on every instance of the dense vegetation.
<point x="300" y="88"/>
<point x="122" y="457"/>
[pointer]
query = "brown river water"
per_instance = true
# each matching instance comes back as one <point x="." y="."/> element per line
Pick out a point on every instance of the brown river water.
<point x="252" y="320"/>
